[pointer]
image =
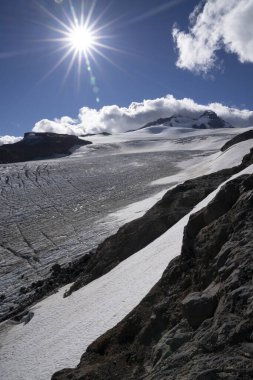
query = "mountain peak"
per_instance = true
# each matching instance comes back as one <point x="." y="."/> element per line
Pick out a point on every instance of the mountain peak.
<point x="208" y="119"/>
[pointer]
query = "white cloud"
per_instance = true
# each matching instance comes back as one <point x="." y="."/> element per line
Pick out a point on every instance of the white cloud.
<point x="9" y="139"/>
<point x="218" y="24"/>
<point x="120" y="119"/>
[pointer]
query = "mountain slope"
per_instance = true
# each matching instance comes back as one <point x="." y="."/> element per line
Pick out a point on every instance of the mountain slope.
<point x="196" y="322"/>
<point x="60" y="329"/>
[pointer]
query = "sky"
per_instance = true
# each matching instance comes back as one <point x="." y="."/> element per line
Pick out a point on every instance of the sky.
<point x="158" y="57"/>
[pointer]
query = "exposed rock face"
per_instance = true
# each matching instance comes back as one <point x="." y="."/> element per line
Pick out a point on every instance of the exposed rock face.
<point x="238" y="138"/>
<point x="210" y="119"/>
<point x="197" y="321"/>
<point x="39" y="145"/>
<point x="199" y="306"/>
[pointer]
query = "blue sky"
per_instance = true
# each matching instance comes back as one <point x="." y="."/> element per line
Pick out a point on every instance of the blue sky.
<point x="143" y="68"/>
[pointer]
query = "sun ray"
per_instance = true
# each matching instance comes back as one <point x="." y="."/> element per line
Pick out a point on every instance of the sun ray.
<point x="50" y="72"/>
<point x="60" y="22"/>
<point x="70" y="65"/>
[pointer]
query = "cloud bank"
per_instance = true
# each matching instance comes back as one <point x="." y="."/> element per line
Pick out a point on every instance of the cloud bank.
<point x="115" y="119"/>
<point x="218" y="24"/>
<point x="9" y="139"/>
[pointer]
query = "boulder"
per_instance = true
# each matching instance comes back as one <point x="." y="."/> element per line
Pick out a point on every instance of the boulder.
<point x="199" y="306"/>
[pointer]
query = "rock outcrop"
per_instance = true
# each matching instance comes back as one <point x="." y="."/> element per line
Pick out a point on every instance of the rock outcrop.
<point x="248" y="135"/>
<point x="197" y="321"/>
<point x="37" y="145"/>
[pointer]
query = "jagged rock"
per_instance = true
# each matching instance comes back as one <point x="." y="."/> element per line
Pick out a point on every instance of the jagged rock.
<point x="162" y="344"/>
<point x="211" y="120"/>
<point x="37" y="145"/>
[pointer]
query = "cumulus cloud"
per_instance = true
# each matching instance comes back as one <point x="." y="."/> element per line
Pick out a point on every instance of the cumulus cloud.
<point x="115" y="119"/>
<point x="215" y="25"/>
<point x="9" y="139"/>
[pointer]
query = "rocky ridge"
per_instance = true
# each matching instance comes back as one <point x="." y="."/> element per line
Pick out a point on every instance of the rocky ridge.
<point x="238" y="138"/>
<point x="196" y="322"/>
<point x="140" y="232"/>
<point x="36" y="145"/>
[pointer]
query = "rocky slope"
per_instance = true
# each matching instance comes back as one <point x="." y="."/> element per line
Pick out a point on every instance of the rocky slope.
<point x="196" y="323"/>
<point x="37" y="145"/>
<point x="138" y="233"/>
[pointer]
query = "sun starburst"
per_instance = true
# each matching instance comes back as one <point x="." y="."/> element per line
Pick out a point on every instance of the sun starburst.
<point x="80" y="37"/>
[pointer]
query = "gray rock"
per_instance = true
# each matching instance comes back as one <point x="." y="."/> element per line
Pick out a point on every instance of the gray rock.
<point x="199" y="306"/>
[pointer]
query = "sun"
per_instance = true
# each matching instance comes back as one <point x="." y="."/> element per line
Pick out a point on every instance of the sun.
<point x="81" y="39"/>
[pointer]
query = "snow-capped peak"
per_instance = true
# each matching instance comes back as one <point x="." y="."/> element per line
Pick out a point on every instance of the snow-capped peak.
<point x="206" y="120"/>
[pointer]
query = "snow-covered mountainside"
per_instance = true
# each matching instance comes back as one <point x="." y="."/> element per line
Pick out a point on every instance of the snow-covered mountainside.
<point x="55" y="332"/>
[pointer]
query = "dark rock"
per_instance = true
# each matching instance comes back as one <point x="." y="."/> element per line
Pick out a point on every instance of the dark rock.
<point x="199" y="306"/>
<point x="207" y="375"/>
<point x="37" y="145"/>
<point x="213" y="121"/>
<point x="238" y="138"/>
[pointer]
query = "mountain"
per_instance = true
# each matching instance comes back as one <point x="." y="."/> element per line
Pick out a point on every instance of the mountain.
<point x="196" y="322"/>
<point x="165" y="296"/>
<point x="208" y="119"/>
<point x="37" y="145"/>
